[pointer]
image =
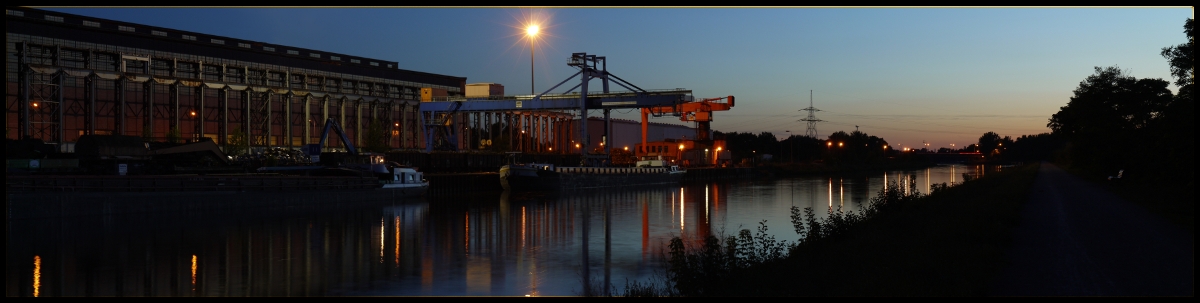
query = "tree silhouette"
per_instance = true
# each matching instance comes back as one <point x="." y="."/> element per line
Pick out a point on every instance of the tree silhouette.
<point x="1176" y="142"/>
<point x="1110" y="102"/>
<point x="991" y="145"/>
<point x="238" y="142"/>
<point x="377" y="137"/>
<point x="1109" y="118"/>
<point x="1181" y="58"/>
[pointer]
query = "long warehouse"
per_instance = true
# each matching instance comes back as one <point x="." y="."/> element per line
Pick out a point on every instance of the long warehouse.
<point x="70" y="75"/>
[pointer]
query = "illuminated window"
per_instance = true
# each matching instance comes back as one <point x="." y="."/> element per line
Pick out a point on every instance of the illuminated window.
<point x="91" y="23"/>
<point x="54" y="18"/>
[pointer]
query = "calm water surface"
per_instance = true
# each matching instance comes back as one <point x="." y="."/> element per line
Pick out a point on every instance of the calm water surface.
<point x="347" y="244"/>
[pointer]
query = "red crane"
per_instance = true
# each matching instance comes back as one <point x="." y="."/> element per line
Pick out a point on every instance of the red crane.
<point x="699" y="111"/>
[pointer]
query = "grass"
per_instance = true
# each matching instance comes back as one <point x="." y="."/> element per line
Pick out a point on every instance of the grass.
<point x="949" y="243"/>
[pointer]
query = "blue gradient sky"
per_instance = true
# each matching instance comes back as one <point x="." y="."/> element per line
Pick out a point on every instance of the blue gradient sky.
<point x="940" y="75"/>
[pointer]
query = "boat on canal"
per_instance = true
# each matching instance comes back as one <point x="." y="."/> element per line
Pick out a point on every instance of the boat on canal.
<point x="548" y="177"/>
<point x="404" y="180"/>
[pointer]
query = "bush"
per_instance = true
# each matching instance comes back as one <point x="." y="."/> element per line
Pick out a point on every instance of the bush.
<point x="717" y="267"/>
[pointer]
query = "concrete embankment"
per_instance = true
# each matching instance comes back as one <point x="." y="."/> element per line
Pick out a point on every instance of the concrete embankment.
<point x="169" y="183"/>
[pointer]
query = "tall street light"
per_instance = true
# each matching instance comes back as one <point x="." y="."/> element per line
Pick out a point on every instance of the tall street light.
<point x="531" y="32"/>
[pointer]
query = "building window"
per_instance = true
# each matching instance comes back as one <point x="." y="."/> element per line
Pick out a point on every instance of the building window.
<point x="374" y="63"/>
<point x="216" y="41"/>
<point x="54" y="18"/>
<point x="335" y="58"/>
<point x="355" y="61"/>
<point x="246" y="45"/>
<point x="292" y="52"/>
<point x="91" y="23"/>
<point x="389" y="66"/>
<point x="268" y="48"/>
<point x="14" y="13"/>
<point x="126" y="28"/>
<point x="158" y="33"/>
<point x="189" y="37"/>
<point x="314" y="55"/>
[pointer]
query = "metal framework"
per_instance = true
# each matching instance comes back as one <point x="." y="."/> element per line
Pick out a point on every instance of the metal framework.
<point x="812" y="120"/>
<point x="537" y="114"/>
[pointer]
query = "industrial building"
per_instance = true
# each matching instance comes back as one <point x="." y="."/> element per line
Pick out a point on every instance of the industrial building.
<point x="70" y="75"/>
<point x="627" y="133"/>
<point x="484" y="90"/>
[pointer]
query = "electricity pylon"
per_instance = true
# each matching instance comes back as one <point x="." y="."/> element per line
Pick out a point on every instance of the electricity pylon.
<point x="811" y="119"/>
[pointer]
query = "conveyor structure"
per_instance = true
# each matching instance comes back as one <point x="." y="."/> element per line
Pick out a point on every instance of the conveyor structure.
<point x="437" y="128"/>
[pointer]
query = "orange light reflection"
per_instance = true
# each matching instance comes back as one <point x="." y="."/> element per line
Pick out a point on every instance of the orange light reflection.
<point x="397" y="241"/>
<point x="193" y="272"/>
<point x="382" y="224"/>
<point x="37" y="275"/>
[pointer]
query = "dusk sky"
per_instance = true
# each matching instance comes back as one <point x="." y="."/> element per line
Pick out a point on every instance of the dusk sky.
<point x="941" y="75"/>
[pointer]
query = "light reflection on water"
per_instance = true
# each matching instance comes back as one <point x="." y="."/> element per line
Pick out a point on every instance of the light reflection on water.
<point x="339" y="244"/>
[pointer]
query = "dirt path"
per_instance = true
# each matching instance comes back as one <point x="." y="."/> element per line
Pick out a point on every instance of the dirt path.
<point x="1077" y="239"/>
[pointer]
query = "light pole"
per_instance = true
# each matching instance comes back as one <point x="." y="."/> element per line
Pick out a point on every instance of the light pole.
<point x="680" y="156"/>
<point x="531" y="32"/>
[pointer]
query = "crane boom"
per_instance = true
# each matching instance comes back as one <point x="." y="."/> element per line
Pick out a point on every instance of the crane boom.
<point x="697" y="111"/>
<point x="330" y="124"/>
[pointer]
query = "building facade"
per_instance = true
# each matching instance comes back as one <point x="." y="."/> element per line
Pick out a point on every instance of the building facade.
<point x="69" y="75"/>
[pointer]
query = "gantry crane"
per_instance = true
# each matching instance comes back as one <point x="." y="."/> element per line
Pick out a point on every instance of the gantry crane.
<point x="699" y="111"/>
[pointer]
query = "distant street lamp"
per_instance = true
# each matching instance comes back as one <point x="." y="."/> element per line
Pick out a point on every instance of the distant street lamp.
<point x="680" y="156"/>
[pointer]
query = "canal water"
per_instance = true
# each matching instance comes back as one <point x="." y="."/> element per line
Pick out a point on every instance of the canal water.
<point x="348" y="244"/>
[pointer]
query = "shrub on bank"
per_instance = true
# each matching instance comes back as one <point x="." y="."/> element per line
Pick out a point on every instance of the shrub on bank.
<point x="902" y="242"/>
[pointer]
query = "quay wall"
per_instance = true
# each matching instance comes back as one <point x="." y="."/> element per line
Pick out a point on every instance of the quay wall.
<point x="150" y="183"/>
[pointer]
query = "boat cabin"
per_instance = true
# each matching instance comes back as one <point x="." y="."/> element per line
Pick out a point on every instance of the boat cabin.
<point x="652" y="161"/>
